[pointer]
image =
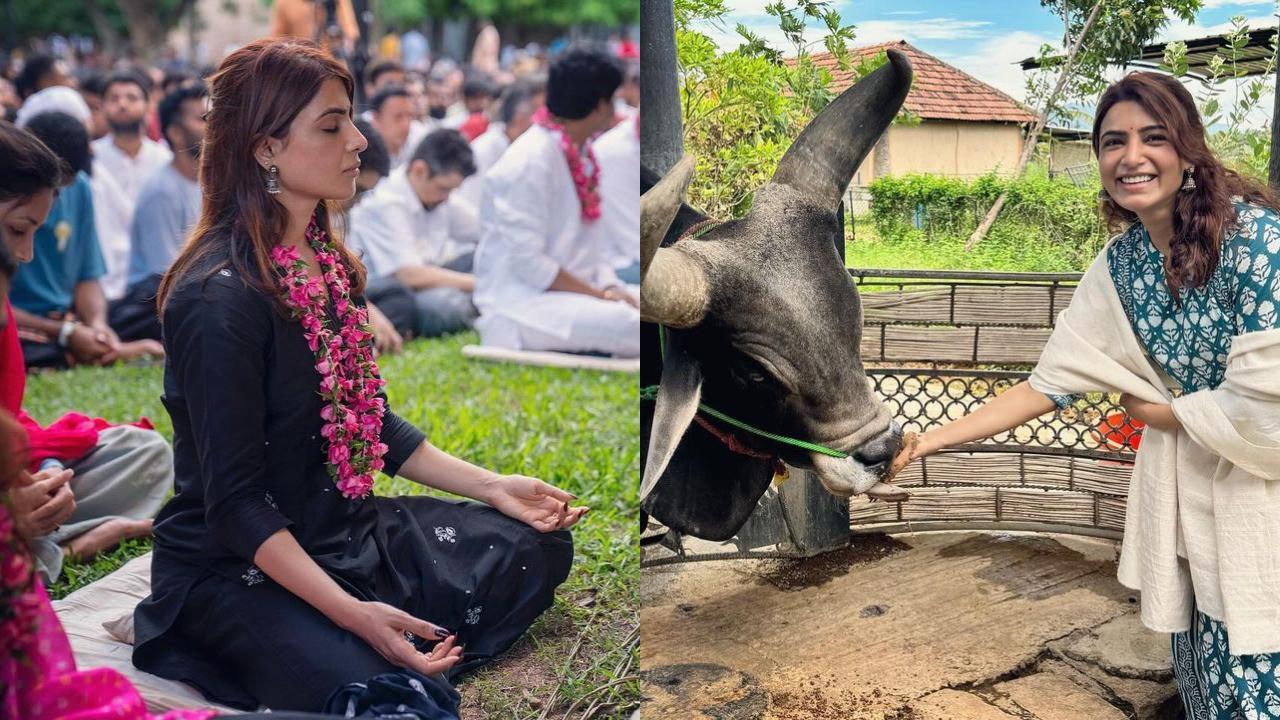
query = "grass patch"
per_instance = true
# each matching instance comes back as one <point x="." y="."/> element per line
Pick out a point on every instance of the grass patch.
<point x="574" y="428"/>
<point x="1009" y="247"/>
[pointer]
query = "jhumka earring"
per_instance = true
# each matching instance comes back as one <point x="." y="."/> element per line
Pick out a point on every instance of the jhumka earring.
<point x="1189" y="179"/>
<point x="273" y="180"/>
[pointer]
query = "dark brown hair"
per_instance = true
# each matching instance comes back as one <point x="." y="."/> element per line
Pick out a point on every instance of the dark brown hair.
<point x="256" y="93"/>
<point x="1203" y="217"/>
<point x="29" y="165"/>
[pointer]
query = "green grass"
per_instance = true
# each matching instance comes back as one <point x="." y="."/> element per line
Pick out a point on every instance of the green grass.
<point x="1008" y="248"/>
<point x="576" y="429"/>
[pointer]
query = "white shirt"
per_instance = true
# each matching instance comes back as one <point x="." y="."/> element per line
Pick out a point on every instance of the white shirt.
<point x="618" y="154"/>
<point x="486" y="149"/>
<point x="117" y="181"/>
<point x="531" y="228"/>
<point x="130" y="172"/>
<point x="113" y="216"/>
<point x="390" y="228"/>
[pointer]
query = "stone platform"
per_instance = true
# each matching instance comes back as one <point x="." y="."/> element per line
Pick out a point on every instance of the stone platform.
<point x="925" y="626"/>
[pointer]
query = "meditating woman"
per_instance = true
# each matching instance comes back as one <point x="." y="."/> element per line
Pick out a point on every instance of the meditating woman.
<point x="278" y="577"/>
<point x="1185" y="297"/>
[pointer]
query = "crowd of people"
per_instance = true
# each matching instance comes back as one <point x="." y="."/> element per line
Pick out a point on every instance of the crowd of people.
<point x="510" y="208"/>
<point x="480" y="201"/>
<point x="460" y="222"/>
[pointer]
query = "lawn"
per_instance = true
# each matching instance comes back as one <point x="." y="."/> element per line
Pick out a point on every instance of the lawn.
<point x="576" y="429"/>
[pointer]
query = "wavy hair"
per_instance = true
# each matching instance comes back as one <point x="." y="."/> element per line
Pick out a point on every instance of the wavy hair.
<point x="1202" y="217"/>
<point x="255" y="94"/>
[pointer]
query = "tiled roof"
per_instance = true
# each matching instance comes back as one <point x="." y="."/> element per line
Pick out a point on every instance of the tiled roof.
<point x="940" y="91"/>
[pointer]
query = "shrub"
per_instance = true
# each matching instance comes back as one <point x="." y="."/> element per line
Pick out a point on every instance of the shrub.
<point x="1052" y="213"/>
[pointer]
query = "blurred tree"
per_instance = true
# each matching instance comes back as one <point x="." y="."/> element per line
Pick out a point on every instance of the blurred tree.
<point x="66" y="17"/>
<point x="150" y="22"/>
<point x="562" y="13"/>
<point x="145" y="23"/>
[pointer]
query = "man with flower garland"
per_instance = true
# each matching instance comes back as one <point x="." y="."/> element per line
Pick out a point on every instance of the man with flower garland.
<point x="543" y="276"/>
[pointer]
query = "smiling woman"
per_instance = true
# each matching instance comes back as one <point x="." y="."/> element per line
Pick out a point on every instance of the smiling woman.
<point x="278" y="580"/>
<point x="1185" y="297"/>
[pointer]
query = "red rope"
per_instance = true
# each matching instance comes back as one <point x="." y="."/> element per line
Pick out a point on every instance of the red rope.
<point x="735" y="445"/>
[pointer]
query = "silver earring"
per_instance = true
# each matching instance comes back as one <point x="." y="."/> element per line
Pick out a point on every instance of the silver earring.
<point x="1189" y="179"/>
<point x="1103" y="196"/>
<point x="273" y="180"/>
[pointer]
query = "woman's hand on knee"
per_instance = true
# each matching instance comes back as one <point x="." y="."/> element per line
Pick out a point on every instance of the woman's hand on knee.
<point x="539" y="505"/>
<point x="391" y="631"/>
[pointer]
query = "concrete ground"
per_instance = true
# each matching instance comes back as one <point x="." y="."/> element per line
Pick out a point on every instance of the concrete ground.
<point x="925" y="626"/>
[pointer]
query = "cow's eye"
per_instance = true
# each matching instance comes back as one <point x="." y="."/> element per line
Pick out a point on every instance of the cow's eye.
<point x="756" y="377"/>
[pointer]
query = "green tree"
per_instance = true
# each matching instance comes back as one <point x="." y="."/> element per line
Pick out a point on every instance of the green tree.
<point x="742" y="108"/>
<point x="1096" y="35"/>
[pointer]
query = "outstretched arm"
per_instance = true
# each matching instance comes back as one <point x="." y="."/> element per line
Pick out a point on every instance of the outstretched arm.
<point x="1009" y="409"/>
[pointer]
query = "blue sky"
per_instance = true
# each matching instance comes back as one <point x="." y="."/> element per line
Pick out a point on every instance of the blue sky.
<point x="984" y="38"/>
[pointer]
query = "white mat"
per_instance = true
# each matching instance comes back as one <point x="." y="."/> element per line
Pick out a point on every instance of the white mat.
<point x="83" y="613"/>
<point x="552" y="359"/>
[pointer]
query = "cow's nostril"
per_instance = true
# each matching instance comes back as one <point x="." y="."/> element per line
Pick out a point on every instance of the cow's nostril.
<point x="872" y="458"/>
<point x="881" y="448"/>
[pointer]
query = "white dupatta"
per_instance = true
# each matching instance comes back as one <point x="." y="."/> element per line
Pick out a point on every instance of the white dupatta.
<point x="1227" y="455"/>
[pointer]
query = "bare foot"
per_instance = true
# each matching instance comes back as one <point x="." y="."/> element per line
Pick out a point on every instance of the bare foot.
<point x="107" y="535"/>
<point x="140" y="348"/>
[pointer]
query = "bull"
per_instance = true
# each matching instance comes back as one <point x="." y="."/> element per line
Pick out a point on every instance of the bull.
<point x="763" y="323"/>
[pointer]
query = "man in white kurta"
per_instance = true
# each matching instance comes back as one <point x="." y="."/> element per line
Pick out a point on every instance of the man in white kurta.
<point x="618" y="153"/>
<point x="412" y="237"/>
<point x="515" y="113"/>
<point x="125" y="158"/>
<point x="543" y="281"/>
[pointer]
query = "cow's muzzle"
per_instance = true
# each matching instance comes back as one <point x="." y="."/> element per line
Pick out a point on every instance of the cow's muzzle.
<point x="863" y="470"/>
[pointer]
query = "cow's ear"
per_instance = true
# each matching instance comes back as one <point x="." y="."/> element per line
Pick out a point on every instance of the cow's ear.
<point x="677" y="403"/>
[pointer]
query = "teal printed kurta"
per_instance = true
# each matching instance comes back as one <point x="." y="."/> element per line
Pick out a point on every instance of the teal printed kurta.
<point x="1190" y="341"/>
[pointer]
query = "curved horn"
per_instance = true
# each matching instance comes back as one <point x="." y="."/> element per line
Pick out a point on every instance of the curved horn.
<point x="822" y="160"/>
<point x="658" y="209"/>
<point x="673" y="286"/>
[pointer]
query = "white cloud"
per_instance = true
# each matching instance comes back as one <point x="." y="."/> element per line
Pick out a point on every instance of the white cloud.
<point x="1212" y="4"/>
<point x="996" y="62"/>
<point x="742" y="8"/>
<point x="1179" y="30"/>
<point x="868" y="31"/>
<point x="873" y="31"/>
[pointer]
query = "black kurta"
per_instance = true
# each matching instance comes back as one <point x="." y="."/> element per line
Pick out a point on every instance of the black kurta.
<point x="242" y="391"/>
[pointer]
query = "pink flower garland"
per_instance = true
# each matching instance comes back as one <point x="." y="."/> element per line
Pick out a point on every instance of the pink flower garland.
<point x="349" y="377"/>
<point x="586" y="175"/>
<point x="19" y="603"/>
